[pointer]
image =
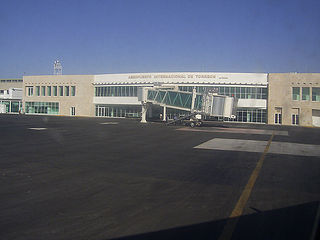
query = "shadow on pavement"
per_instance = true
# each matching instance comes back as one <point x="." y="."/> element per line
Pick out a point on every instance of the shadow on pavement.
<point x="295" y="222"/>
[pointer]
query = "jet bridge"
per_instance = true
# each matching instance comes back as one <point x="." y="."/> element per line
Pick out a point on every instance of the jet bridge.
<point x="208" y="103"/>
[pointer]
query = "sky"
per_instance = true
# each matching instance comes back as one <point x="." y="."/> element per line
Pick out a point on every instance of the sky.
<point x="127" y="36"/>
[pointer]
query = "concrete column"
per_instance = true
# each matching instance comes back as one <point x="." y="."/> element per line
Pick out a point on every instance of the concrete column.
<point x="194" y="95"/>
<point x="144" y="113"/>
<point x="164" y="115"/>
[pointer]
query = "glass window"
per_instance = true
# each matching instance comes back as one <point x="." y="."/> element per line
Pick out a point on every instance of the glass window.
<point x="30" y="91"/>
<point x="73" y="90"/>
<point x="237" y="92"/>
<point x="55" y="90"/>
<point x="43" y="90"/>
<point x="254" y="93"/>
<point x="232" y="92"/>
<point x="135" y="91"/>
<point x="227" y="91"/>
<point x="42" y="107"/>
<point x="296" y="93"/>
<point x="37" y="90"/>
<point x="243" y="92"/>
<point x="295" y="119"/>
<point x="264" y="93"/>
<point x="306" y="93"/>
<point x="316" y="94"/>
<point x="278" y="118"/>
<point x="15" y="106"/>
<point x="60" y="90"/>
<point x="249" y="93"/>
<point x="122" y="91"/>
<point x="49" y="90"/>
<point x="66" y="90"/>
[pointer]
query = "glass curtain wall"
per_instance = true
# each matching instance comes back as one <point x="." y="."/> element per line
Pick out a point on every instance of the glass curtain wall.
<point x="117" y="111"/>
<point x="42" y="107"/>
<point x="116" y="91"/>
<point x="251" y="115"/>
<point x="12" y="106"/>
<point x="238" y="92"/>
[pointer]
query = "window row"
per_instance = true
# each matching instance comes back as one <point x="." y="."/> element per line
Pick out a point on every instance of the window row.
<point x="120" y="91"/>
<point x="294" y="119"/>
<point x="51" y="91"/>
<point x="304" y="92"/>
<point x="42" y="107"/>
<point x="11" y="80"/>
<point x="238" y="92"/>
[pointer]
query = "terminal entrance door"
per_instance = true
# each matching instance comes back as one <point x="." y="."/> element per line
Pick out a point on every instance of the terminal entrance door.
<point x="73" y="111"/>
<point x="103" y="111"/>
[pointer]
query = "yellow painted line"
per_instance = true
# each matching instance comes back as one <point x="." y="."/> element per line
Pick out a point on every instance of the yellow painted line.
<point x="237" y="211"/>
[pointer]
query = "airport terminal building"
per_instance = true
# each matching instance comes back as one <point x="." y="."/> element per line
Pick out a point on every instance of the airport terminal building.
<point x="116" y="95"/>
<point x="274" y="98"/>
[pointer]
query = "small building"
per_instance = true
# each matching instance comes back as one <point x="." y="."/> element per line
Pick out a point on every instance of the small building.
<point x="294" y="99"/>
<point x="58" y="95"/>
<point x="10" y="95"/>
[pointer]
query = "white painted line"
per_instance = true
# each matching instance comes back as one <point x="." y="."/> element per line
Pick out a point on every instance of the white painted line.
<point x="110" y="123"/>
<point x="259" y="146"/>
<point x="38" y="129"/>
<point x="295" y="149"/>
<point x="236" y="130"/>
<point x="234" y="145"/>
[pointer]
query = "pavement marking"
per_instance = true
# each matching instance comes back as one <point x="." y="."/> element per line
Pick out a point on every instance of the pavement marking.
<point x="237" y="211"/>
<point x="110" y="123"/>
<point x="38" y="129"/>
<point x="259" y="146"/>
<point x="236" y="130"/>
<point x="298" y="149"/>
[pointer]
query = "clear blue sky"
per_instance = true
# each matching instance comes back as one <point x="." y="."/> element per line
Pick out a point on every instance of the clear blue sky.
<point x="118" y="36"/>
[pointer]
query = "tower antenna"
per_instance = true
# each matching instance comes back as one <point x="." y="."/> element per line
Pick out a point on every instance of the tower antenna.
<point x="57" y="68"/>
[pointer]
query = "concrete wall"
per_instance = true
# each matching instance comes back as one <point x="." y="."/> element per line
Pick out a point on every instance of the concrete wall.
<point x="82" y="101"/>
<point x="5" y="84"/>
<point x="280" y="96"/>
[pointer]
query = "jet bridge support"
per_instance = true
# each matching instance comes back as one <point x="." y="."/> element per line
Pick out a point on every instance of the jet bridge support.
<point x="144" y="113"/>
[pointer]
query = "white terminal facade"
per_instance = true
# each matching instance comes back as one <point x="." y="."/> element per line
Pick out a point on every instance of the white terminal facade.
<point x="115" y="95"/>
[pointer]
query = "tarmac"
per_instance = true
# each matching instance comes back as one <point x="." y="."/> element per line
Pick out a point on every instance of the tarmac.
<point x="102" y="178"/>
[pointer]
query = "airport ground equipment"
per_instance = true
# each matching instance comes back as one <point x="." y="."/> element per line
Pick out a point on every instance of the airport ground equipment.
<point x="208" y="103"/>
